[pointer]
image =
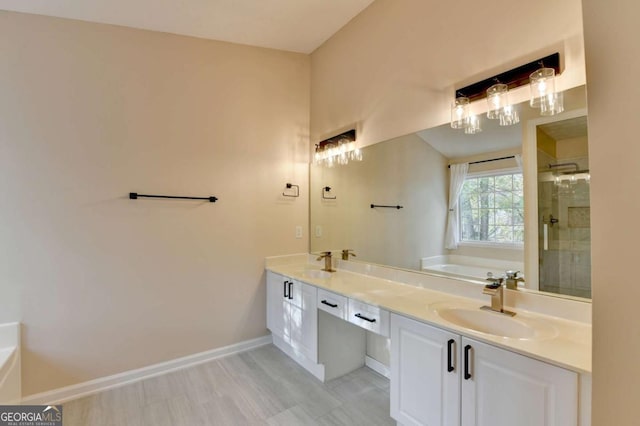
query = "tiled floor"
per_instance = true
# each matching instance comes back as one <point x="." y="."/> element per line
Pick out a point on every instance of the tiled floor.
<point x="259" y="387"/>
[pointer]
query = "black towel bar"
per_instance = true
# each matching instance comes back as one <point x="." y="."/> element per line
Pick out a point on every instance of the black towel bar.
<point x="135" y="196"/>
<point x="386" y="207"/>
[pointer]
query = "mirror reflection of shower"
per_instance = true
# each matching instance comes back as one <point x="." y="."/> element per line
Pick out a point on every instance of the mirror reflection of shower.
<point x="564" y="208"/>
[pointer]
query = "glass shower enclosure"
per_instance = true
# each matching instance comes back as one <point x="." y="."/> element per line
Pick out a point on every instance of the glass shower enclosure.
<point x="564" y="242"/>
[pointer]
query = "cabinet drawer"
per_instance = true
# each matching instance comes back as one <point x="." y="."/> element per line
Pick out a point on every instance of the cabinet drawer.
<point x="370" y="317"/>
<point x="332" y="303"/>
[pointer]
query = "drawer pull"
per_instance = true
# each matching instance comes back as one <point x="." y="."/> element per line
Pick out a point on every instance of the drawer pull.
<point x="284" y="286"/>
<point x="333" y="305"/>
<point x="358" y="315"/>
<point x="290" y="292"/>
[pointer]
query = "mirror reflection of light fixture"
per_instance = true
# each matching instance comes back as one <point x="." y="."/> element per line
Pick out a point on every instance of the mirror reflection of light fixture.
<point x="473" y="125"/>
<point x="337" y="150"/>
<point x="539" y="75"/>
<point x="509" y="116"/>
<point x="553" y="104"/>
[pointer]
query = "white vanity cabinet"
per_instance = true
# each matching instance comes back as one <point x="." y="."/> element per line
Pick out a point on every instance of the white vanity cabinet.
<point x="425" y="374"/>
<point x="292" y="314"/>
<point x="441" y="378"/>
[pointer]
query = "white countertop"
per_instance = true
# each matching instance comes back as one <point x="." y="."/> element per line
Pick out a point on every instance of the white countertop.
<point x="569" y="347"/>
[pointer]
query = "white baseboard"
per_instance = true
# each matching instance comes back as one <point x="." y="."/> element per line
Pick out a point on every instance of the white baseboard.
<point x="377" y="366"/>
<point x="67" y="393"/>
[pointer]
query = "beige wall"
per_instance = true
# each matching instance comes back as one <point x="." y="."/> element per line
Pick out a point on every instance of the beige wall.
<point x="405" y="171"/>
<point x="91" y="112"/>
<point x="613" y="56"/>
<point x="393" y="69"/>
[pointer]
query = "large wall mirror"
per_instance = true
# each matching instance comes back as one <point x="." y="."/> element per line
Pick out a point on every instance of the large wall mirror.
<point x="521" y="203"/>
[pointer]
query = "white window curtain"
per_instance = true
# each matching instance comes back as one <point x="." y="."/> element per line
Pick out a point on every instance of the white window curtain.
<point x="456" y="181"/>
<point x="518" y="158"/>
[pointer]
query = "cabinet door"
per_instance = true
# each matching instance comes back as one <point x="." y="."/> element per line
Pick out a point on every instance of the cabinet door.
<point x="277" y="304"/>
<point x="425" y="374"/>
<point x="303" y="315"/>
<point x="506" y="389"/>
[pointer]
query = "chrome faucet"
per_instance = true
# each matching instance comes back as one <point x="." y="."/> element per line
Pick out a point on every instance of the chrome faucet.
<point x="326" y="255"/>
<point x="513" y="279"/>
<point x="495" y="290"/>
<point x="346" y="253"/>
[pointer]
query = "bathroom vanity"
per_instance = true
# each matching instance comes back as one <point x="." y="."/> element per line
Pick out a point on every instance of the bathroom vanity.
<point x="451" y="363"/>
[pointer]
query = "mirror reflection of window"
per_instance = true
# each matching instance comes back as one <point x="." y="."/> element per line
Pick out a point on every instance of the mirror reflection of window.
<point x="492" y="208"/>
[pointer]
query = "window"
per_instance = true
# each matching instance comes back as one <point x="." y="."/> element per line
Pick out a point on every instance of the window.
<point x="492" y="208"/>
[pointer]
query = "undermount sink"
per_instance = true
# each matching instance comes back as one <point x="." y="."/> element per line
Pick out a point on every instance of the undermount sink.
<point x="494" y="323"/>
<point x="316" y="273"/>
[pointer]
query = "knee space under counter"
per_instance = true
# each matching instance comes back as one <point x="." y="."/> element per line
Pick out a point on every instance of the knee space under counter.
<point x="342" y="346"/>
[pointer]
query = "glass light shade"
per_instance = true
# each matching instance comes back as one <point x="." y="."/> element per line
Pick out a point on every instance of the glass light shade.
<point x="460" y="113"/>
<point x="330" y="151"/>
<point x="552" y="104"/>
<point x="473" y="125"/>
<point x="330" y="162"/>
<point x="340" y="152"/>
<point x="343" y="158"/>
<point x="342" y="145"/>
<point x="509" y="116"/>
<point x="356" y="154"/>
<point x="542" y="83"/>
<point x="497" y="98"/>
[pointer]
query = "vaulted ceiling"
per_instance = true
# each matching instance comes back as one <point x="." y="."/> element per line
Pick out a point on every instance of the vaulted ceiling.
<point x="294" y="25"/>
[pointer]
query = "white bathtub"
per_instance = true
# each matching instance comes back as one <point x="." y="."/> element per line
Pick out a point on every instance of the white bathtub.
<point x="468" y="267"/>
<point x="10" y="391"/>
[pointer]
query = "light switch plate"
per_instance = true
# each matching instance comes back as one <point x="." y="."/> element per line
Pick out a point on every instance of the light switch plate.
<point x="298" y="231"/>
<point x="318" y="231"/>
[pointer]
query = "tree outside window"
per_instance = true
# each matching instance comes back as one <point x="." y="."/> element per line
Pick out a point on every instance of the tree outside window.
<point x="492" y="209"/>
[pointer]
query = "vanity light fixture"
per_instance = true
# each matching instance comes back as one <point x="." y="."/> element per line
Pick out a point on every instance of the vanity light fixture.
<point x="460" y="117"/>
<point x="460" y="112"/>
<point x="539" y="75"/>
<point x="338" y="149"/>
<point x="498" y="99"/>
<point x="499" y="106"/>
<point x="543" y="92"/>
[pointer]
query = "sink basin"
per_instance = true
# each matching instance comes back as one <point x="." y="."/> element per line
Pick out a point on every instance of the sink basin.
<point x="487" y="322"/>
<point x="316" y="273"/>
